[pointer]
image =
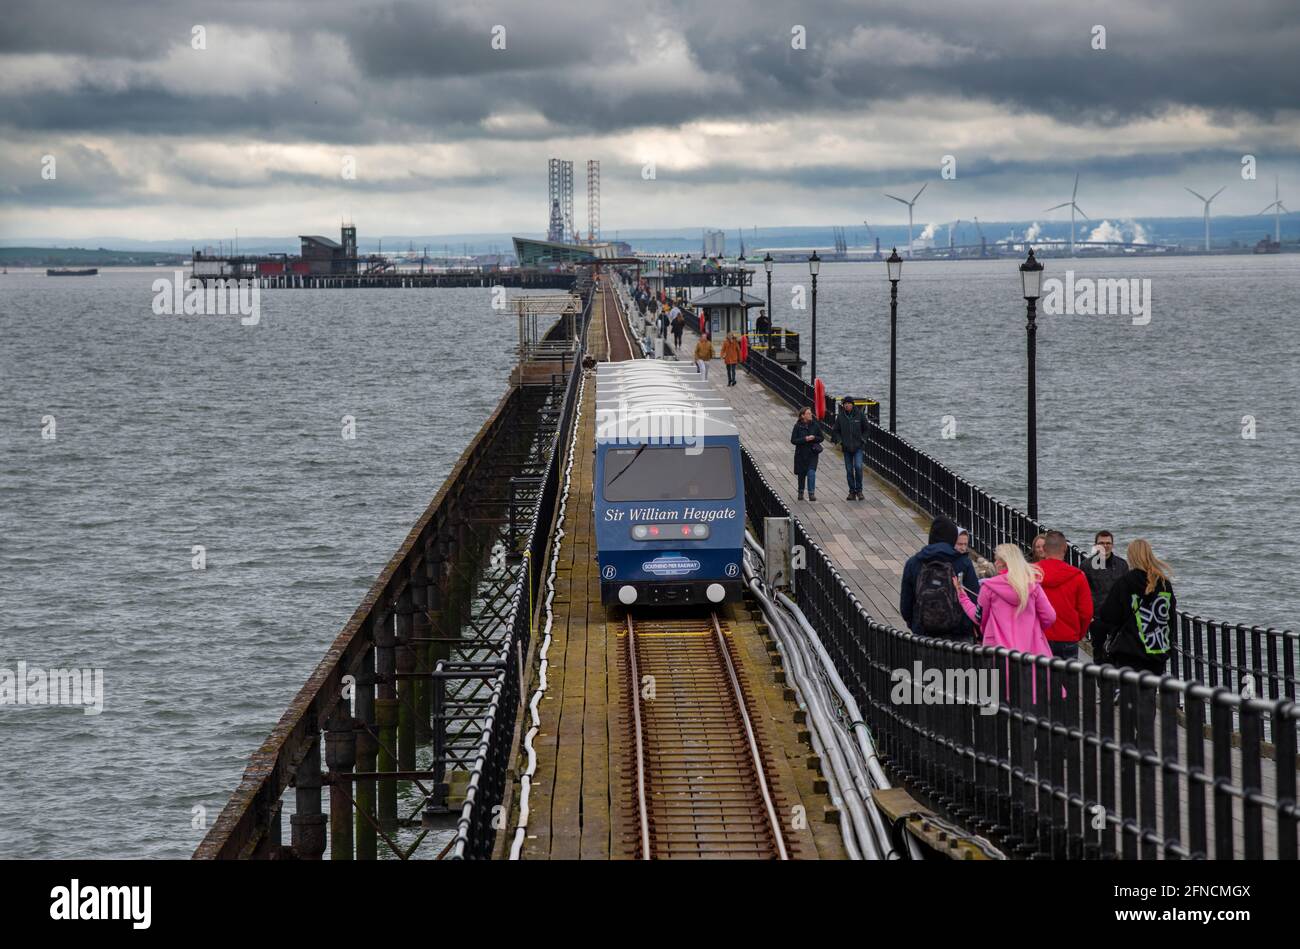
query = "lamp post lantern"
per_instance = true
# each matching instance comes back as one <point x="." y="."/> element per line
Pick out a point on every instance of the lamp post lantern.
<point x="1031" y="278"/>
<point x="740" y="289"/>
<point x="814" y="265"/>
<point x="894" y="267"/>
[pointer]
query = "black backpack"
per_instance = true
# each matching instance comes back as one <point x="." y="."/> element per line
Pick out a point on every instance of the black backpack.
<point x="936" y="609"/>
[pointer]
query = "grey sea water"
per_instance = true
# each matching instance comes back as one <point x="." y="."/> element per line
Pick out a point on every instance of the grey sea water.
<point x="182" y="431"/>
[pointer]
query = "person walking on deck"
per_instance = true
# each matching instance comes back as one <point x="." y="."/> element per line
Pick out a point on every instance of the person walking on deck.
<point x="763" y="327"/>
<point x="1136" y="622"/>
<point x="926" y="600"/>
<point x="679" y="327"/>
<point x="731" y="356"/>
<point x="1067" y="590"/>
<point x="850" y="433"/>
<point x="703" y="353"/>
<point x="806" y="437"/>
<point x="1103" y="569"/>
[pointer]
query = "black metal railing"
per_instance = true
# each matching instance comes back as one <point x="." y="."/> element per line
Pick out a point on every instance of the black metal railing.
<point x="475" y="833"/>
<point x="1256" y="661"/>
<point x="1050" y="758"/>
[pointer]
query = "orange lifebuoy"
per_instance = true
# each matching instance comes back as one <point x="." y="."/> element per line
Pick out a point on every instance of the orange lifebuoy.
<point x="819" y="398"/>
<point x="744" y="348"/>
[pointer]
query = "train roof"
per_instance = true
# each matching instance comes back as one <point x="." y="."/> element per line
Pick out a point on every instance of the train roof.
<point x="658" y="401"/>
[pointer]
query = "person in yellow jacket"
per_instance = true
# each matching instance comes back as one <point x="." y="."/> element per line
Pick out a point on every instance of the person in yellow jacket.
<point x="703" y="353"/>
<point x="731" y="356"/>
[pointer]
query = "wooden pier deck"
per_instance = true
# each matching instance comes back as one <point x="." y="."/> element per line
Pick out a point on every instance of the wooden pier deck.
<point x="582" y="805"/>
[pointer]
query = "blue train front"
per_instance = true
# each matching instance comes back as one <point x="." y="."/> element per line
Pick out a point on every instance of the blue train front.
<point x="669" y="491"/>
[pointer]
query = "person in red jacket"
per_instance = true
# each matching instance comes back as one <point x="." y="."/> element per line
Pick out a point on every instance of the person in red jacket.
<point x="1068" y="591"/>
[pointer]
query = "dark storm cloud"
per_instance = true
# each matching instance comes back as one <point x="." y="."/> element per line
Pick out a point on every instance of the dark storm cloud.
<point x="431" y="65"/>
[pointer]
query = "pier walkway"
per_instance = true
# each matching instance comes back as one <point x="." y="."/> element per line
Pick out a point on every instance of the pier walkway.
<point x="581" y="796"/>
<point x="868" y="542"/>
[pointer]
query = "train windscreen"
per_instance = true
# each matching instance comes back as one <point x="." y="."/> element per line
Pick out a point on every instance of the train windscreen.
<point x="669" y="474"/>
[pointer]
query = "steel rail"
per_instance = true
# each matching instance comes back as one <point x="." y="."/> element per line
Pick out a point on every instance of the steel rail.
<point x="704" y="785"/>
<point x="757" y="756"/>
<point x="639" y="740"/>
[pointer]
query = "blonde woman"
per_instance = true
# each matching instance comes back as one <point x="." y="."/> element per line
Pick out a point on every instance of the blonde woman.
<point x="1013" y="611"/>
<point x="1135" y="625"/>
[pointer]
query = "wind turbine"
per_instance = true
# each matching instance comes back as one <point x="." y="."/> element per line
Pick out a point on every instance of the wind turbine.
<point x="1207" y="211"/>
<point x="1073" y="207"/>
<point x="1278" y="210"/>
<point x="910" y="204"/>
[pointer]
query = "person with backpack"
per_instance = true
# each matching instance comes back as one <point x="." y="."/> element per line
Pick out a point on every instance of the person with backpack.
<point x="1136" y="623"/>
<point x="927" y="602"/>
<point x="850" y="432"/>
<point x="679" y="327"/>
<point x="1013" y="611"/>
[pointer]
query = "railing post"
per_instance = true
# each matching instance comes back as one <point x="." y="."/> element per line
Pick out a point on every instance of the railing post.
<point x="386" y="717"/>
<point x="340" y="759"/>
<point x="308" y="824"/>
<point x="367" y="748"/>
<point x="406" y="703"/>
<point x="421" y="583"/>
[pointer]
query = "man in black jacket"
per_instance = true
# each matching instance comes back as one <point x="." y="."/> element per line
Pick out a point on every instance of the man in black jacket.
<point x="1102" y="568"/>
<point x="850" y="433"/>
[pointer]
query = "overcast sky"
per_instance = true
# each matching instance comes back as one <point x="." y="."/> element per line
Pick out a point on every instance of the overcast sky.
<point x="155" y="139"/>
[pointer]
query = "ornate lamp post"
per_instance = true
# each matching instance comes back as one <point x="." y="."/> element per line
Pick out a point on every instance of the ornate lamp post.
<point x="767" y="265"/>
<point x="894" y="265"/>
<point x="1031" y="278"/>
<point x="814" y="265"/>
<point x="740" y="288"/>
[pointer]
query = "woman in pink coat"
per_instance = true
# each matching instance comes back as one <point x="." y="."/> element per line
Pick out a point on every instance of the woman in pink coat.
<point x="1013" y="611"/>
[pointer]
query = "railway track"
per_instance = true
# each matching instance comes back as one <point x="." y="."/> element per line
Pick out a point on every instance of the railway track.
<point x="619" y="345"/>
<point x="701" y="787"/>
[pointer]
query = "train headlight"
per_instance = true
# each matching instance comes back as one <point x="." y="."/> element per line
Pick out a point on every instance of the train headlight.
<point x="670" y="532"/>
<point x="715" y="592"/>
<point x="627" y="594"/>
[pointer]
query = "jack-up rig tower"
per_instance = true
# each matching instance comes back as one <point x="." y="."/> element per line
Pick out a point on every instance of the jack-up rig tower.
<point x="560" y="190"/>
<point x="593" y="201"/>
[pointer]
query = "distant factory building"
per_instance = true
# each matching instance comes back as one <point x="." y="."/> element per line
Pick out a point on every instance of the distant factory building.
<point x="324" y="256"/>
<point x="715" y="244"/>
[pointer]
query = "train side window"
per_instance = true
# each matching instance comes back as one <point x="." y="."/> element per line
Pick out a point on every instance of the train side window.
<point x="669" y="474"/>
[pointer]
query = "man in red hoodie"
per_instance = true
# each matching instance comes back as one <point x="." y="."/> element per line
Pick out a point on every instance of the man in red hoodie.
<point x="1068" y="591"/>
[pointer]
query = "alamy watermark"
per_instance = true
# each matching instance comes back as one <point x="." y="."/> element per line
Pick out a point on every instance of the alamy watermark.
<point x="177" y="295"/>
<point x="665" y="425"/>
<point x="1089" y="296"/>
<point x="32" y="686"/>
<point x="933" y="686"/>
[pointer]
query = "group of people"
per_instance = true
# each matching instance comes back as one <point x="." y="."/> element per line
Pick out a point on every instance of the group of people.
<point x="730" y="355"/>
<point x="1041" y="604"/>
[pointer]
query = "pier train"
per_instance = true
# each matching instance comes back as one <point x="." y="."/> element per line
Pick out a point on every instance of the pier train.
<point x="669" y="499"/>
